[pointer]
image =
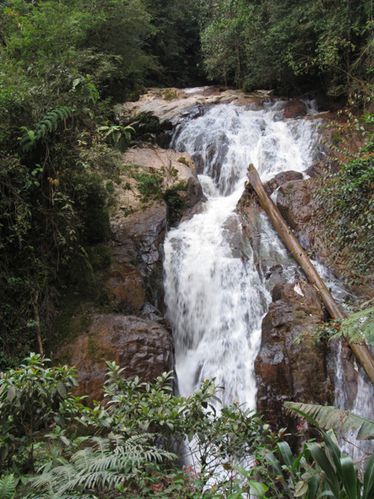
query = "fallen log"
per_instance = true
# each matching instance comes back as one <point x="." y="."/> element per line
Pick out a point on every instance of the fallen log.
<point x="361" y="351"/>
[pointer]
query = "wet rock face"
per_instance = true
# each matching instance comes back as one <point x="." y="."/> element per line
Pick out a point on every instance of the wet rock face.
<point x="125" y="284"/>
<point x="280" y="179"/>
<point x="144" y="348"/>
<point x="173" y="104"/>
<point x="295" y="203"/>
<point x="139" y="224"/>
<point x="290" y="365"/>
<point x="136" y="336"/>
<point x="295" y="108"/>
<point x="298" y="203"/>
<point x="138" y="240"/>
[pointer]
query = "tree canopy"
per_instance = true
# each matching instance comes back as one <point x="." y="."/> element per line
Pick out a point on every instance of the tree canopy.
<point x="290" y="46"/>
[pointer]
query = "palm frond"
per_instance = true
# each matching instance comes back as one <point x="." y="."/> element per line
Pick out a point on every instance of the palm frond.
<point x="330" y="417"/>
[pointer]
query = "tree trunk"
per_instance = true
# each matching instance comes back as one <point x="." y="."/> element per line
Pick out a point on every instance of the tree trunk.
<point x="37" y="321"/>
<point x="361" y="351"/>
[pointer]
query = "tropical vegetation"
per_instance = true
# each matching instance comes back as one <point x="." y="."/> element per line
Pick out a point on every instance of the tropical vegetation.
<point x="65" y="65"/>
<point x="290" y="45"/>
<point x="54" y="445"/>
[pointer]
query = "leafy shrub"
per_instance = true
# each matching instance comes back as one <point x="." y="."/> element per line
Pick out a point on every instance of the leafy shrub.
<point x="56" y="163"/>
<point x="129" y="446"/>
<point x="149" y="185"/>
<point x="30" y="399"/>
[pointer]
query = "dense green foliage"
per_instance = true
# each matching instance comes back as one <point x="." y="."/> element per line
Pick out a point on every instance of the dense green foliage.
<point x="289" y="45"/>
<point x="63" y="64"/>
<point x="347" y="195"/>
<point x="52" y="445"/>
<point x="175" y="42"/>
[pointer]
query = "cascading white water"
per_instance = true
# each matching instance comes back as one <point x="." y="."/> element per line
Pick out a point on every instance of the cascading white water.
<point x="214" y="294"/>
<point x="363" y="405"/>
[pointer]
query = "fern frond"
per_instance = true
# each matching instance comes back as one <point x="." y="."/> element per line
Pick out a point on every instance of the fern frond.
<point x="7" y="487"/>
<point x="49" y="124"/>
<point x="330" y="417"/>
<point x="103" y="465"/>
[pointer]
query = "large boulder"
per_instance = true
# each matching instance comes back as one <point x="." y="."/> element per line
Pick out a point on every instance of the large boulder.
<point x="144" y="348"/>
<point x="296" y="203"/>
<point x="295" y="108"/>
<point x="291" y="365"/>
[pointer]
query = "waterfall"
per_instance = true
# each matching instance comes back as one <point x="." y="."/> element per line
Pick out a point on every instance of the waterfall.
<point x="215" y="295"/>
<point x="363" y="405"/>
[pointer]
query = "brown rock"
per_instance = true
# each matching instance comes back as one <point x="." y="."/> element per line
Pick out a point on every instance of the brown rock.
<point x="282" y="178"/>
<point x="295" y="203"/>
<point x="139" y="224"/>
<point x="295" y="108"/>
<point x="138" y="240"/>
<point x="125" y="286"/>
<point x="290" y="365"/>
<point x="144" y="348"/>
<point x="298" y="202"/>
<point x="171" y="104"/>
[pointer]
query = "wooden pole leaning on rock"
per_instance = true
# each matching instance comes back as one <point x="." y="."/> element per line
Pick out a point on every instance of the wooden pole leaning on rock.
<point x="361" y="351"/>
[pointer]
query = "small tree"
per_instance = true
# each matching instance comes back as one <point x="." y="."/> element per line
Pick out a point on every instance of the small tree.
<point x="30" y="398"/>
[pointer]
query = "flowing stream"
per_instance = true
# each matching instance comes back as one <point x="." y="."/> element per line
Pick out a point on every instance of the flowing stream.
<point x="215" y="295"/>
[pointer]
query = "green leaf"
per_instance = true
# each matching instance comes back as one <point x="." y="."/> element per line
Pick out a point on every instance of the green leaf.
<point x="61" y="389"/>
<point x="368" y="491"/>
<point x="11" y="395"/>
<point x="7" y="487"/>
<point x="257" y="488"/>
<point x="313" y="485"/>
<point x="324" y="463"/>
<point x="330" y="417"/>
<point x="286" y="453"/>
<point x="349" y="477"/>
<point x="269" y="456"/>
<point x="301" y="489"/>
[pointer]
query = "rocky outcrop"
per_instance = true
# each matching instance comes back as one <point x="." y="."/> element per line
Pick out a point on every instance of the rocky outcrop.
<point x="290" y="364"/>
<point x="296" y="204"/>
<point x="137" y="250"/>
<point x="144" y="348"/>
<point x="172" y="104"/>
<point x="156" y="187"/>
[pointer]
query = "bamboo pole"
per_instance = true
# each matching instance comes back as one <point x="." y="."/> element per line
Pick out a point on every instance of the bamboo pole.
<point x="361" y="351"/>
